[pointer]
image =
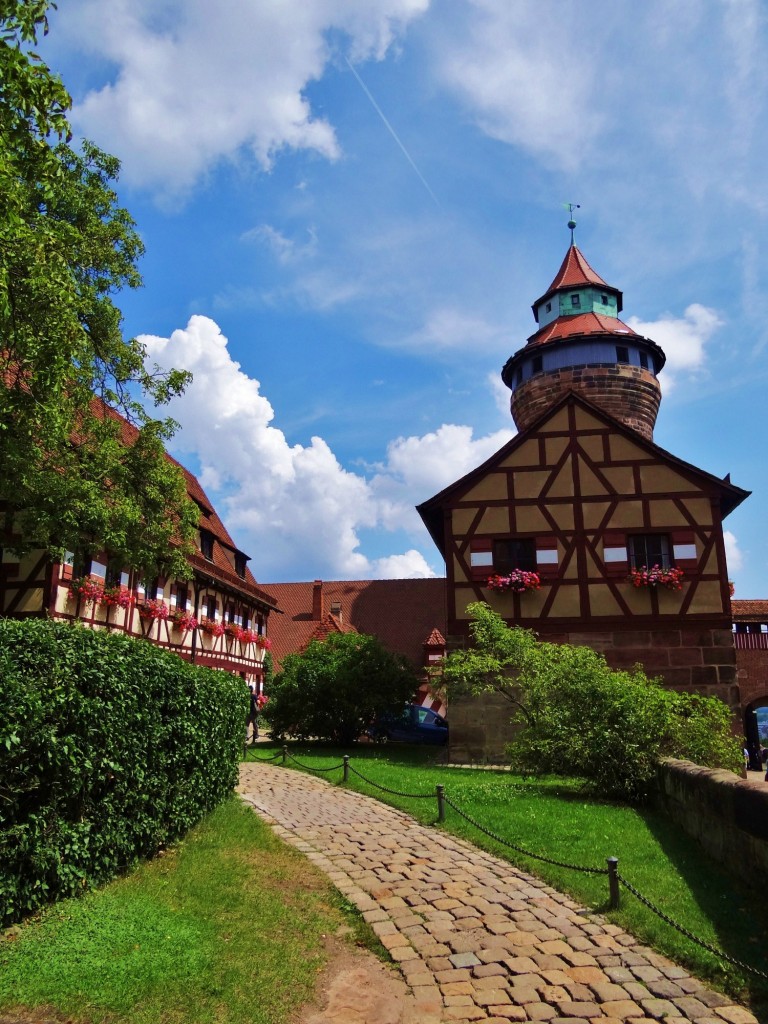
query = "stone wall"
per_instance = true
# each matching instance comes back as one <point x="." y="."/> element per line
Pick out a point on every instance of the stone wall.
<point x="479" y="729"/>
<point x="727" y="817"/>
<point x="629" y="394"/>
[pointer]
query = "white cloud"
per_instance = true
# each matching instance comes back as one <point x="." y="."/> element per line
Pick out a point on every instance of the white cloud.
<point x="285" y="250"/>
<point x="450" y="328"/>
<point x="521" y="80"/>
<point x="683" y="339"/>
<point x="733" y="554"/>
<point x="193" y="85"/>
<point x="298" y="511"/>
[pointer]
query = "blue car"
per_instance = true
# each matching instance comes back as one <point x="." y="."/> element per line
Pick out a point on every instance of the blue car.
<point x="415" y="725"/>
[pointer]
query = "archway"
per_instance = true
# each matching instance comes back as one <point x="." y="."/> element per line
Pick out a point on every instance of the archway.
<point x="756" y="729"/>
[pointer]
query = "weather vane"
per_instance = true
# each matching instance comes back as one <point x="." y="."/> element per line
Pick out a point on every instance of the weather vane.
<point x="570" y="207"/>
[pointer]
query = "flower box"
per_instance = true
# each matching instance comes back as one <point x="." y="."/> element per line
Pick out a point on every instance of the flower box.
<point x="212" y="627"/>
<point x="517" y="582"/>
<point x="262" y="642"/>
<point x="184" y="620"/>
<point x="116" y="597"/>
<point x="670" y="579"/>
<point x="88" y="588"/>
<point x="153" y="609"/>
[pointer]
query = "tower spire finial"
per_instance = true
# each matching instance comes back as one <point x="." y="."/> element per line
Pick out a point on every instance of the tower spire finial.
<point x="570" y="207"/>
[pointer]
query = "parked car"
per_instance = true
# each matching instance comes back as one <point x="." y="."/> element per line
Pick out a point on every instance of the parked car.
<point x="415" y="725"/>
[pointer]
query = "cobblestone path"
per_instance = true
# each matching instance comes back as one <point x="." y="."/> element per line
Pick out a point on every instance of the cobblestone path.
<point x="476" y="939"/>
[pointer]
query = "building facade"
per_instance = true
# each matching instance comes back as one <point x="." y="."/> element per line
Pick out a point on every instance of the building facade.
<point x="582" y="528"/>
<point x="217" y="618"/>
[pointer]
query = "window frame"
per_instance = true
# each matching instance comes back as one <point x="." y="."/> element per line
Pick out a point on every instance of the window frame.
<point x="660" y="539"/>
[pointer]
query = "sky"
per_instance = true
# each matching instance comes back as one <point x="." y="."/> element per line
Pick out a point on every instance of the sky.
<point x="349" y="207"/>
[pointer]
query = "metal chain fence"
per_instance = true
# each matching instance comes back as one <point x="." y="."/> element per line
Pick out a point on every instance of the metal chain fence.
<point x="611" y="871"/>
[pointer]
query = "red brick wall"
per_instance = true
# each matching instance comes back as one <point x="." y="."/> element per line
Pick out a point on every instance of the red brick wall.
<point x="752" y="674"/>
<point x="628" y="393"/>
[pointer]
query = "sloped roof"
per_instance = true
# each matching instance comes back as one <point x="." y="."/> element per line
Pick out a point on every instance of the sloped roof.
<point x="431" y="510"/>
<point x="575" y="272"/>
<point x="582" y="323"/>
<point x="749" y="611"/>
<point x="435" y="639"/>
<point x="220" y="567"/>
<point x="401" y="613"/>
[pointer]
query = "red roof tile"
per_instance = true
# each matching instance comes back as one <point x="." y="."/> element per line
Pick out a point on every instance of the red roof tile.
<point x="435" y="639"/>
<point x="399" y="612"/>
<point x="582" y="323"/>
<point x="751" y="611"/>
<point x="220" y="567"/>
<point x="574" y="272"/>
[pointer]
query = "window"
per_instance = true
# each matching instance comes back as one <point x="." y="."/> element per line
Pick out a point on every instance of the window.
<point x="644" y="360"/>
<point x="622" y="354"/>
<point x="548" y="307"/>
<point x="576" y="301"/>
<point x="649" y="549"/>
<point x="519" y="375"/>
<point x="206" y="545"/>
<point x="536" y="364"/>
<point x="604" y="299"/>
<point x="210" y="607"/>
<point x="181" y="597"/>
<point x="514" y="554"/>
<point x="240" y="561"/>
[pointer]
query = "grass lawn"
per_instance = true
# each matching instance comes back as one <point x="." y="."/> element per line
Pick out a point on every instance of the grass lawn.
<point x="553" y="817"/>
<point x="227" y="926"/>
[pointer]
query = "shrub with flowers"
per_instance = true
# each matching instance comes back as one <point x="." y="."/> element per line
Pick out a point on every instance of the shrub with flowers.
<point x="517" y="582"/>
<point x="261" y="701"/>
<point x="87" y="588"/>
<point x="212" y="627"/>
<point x="117" y="597"/>
<point x="263" y="642"/>
<point x="184" y="620"/>
<point x="153" y="609"/>
<point x="656" y="576"/>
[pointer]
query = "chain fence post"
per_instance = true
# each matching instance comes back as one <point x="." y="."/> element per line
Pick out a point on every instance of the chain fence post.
<point x="346" y="768"/>
<point x="613" y="883"/>
<point x="285" y="753"/>
<point x="440" y="793"/>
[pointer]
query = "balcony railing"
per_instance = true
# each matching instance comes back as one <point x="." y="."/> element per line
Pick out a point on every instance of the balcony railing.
<point x="751" y="641"/>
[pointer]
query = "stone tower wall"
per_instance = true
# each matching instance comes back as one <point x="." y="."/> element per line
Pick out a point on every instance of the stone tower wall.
<point x="628" y="393"/>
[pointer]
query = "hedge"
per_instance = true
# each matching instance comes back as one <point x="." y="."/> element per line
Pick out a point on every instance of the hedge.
<point x="110" y="748"/>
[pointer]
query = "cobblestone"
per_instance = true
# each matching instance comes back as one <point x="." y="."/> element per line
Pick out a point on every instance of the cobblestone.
<point x="475" y="939"/>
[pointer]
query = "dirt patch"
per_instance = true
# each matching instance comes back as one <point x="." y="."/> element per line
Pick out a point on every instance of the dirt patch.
<point x="357" y="988"/>
<point x="43" y="1015"/>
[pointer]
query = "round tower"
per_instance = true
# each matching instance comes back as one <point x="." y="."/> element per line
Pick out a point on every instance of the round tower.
<point x="582" y="346"/>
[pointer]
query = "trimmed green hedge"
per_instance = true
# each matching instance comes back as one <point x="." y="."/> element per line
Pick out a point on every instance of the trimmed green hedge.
<point x="110" y="748"/>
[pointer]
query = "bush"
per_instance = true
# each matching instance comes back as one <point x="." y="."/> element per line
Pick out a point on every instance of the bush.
<point x="577" y="716"/>
<point x="335" y="688"/>
<point x="110" y="748"/>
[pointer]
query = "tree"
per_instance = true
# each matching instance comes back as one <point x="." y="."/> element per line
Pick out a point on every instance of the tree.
<point x="73" y="474"/>
<point x="577" y="716"/>
<point x="336" y="687"/>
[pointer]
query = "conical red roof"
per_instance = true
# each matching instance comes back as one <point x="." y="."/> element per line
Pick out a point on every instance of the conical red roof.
<point x="575" y="271"/>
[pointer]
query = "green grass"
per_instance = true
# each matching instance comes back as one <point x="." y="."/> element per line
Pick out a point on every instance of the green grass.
<point x="227" y="927"/>
<point x="553" y="817"/>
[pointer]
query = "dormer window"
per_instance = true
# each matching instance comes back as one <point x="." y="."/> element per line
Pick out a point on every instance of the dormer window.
<point x="576" y="301"/>
<point x="206" y="545"/>
<point x="240" y="564"/>
<point x="548" y="307"/>
<point x="604" y="300"/>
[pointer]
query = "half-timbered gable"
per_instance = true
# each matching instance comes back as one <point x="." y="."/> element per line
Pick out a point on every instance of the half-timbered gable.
<point x="582" y="501"/>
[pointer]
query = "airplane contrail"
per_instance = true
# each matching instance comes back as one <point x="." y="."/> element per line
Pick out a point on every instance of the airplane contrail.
<point x="392" y="132"/>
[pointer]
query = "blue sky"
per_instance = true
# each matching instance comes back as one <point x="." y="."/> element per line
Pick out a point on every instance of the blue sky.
<point x="350" y="205"/>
